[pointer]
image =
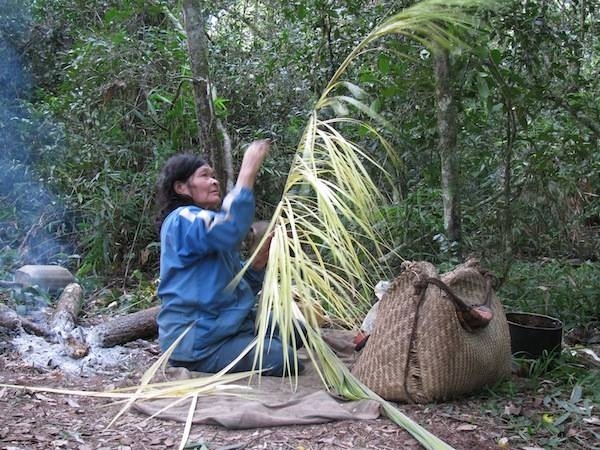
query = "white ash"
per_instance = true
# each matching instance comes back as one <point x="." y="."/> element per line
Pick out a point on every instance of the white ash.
<point x="43" y="355"/>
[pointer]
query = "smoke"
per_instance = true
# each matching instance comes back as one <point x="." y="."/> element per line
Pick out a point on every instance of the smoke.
<point x="29" y="212"/>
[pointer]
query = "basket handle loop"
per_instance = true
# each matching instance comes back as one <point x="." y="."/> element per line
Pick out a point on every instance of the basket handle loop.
<point x="470" y="317"/>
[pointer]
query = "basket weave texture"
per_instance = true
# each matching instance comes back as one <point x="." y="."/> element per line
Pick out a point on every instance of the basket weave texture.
<point x="418" y="351"/>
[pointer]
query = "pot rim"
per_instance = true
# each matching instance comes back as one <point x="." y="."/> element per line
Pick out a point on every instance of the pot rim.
<point x="558" y="323"/>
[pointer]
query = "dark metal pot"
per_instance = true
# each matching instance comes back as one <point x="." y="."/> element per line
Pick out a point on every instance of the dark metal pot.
<point x="531" y="334"/>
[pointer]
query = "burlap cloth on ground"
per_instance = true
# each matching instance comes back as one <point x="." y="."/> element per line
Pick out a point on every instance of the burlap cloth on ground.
<point x="272" y="403"/>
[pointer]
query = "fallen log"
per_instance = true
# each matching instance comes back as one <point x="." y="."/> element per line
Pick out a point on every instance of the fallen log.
<point x="123" y="329"/>
<point x="13" y="321"/>
<point x="68" y="307"/>
<point x="63" y="322"/>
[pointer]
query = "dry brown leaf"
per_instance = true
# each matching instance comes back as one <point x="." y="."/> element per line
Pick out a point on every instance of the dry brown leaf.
<point x="592" y="420"/>
<point x="512" y="410"/>
<point x="72" y="403"/>
<point x="466" y="427"/>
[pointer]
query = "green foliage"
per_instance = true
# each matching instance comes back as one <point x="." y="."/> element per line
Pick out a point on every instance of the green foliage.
<point x="124" y="96"/>
<point x="29" y="301"/>
<point x="533" y="129"/>
<point x="416" y="221"/>
<point x="106" y="96"/>
<point x="138" y="294"/>
<point x="551" y="396"/>
<point x="556" y="288"/>
<point x="33" y="220"/>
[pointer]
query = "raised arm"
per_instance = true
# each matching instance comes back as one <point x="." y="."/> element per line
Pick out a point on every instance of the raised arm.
<point x="253" y="158"/>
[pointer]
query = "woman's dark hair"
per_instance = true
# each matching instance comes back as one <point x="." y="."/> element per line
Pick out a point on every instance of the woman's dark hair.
<point x="177" y="168"/>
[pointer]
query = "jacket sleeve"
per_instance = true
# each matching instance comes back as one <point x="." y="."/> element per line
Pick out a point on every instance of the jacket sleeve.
<point x="204" y="231"/>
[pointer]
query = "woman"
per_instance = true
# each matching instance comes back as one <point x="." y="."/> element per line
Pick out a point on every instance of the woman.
<point x="200" y="240"/>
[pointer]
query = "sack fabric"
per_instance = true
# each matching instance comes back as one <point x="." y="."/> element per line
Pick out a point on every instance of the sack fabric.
<point x="418" y="352"/>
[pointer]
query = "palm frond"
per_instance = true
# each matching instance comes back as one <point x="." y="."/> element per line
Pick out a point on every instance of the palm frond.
<point x="146" y="390"/>
<point x="325" y="246"/>
<point x="425" y="22"/>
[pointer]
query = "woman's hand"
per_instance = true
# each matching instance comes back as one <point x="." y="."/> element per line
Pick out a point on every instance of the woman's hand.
<point x="253" y="158"/>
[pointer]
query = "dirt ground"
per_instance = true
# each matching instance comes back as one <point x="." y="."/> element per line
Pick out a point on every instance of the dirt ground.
<point x="41" y="420"/>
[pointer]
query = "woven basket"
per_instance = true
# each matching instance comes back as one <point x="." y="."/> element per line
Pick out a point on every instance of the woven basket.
<point x="420" y="352"/>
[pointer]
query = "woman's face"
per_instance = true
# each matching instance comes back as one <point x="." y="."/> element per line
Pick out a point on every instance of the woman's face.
<point x="202" y="187"/>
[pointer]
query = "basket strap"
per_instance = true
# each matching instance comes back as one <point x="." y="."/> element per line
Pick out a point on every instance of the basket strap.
<point x="470" y="317"/>
<point x="408" y="383"/>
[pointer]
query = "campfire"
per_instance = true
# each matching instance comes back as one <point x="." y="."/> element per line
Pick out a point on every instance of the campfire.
<point x="54" y="338"/>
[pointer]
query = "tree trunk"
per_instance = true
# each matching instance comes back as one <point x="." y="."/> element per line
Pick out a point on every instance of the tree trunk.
<point x="198" y="50"/>
<point x="507" y="222"/>
<point x="446" y="123"/>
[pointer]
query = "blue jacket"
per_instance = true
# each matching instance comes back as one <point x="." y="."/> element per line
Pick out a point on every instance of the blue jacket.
<point x="199" y="257"/>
